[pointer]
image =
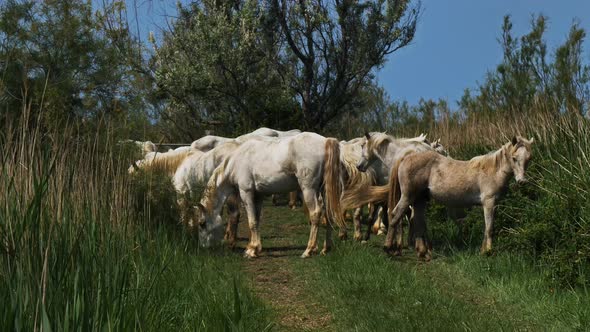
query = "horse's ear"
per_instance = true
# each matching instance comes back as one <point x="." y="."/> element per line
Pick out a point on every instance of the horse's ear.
<point x="367" y="135"/>
<point x="149" y="147"/>
<point x="514" y="140"/>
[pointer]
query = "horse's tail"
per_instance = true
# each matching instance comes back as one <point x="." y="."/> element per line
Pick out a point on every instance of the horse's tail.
<point x="359" y="196"/>
<point x="394" y="189"/>
<point x="333" y="182"/>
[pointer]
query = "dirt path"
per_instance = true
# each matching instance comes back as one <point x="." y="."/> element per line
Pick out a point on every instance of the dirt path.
<point x="289" y="285"/>
<point x="272" y="278"/>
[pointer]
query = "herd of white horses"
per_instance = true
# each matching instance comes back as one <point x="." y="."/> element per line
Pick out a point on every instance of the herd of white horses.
<point x="397" y="175"/>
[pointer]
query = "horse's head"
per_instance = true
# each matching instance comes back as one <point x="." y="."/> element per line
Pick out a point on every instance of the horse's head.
<point x="210" y="226"/>
<point x="519" y="153"/>
<point x="439" y="147"/>
<point x="368" y="154"/>
<point x="135" y="166"/>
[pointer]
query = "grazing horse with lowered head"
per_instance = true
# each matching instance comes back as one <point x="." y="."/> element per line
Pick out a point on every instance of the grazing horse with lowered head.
<point x="277" y="165"/>
<point x="189" y="180"/>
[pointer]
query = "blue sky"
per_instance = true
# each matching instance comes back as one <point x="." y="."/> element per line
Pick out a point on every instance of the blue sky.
<point x="456" y="42"/>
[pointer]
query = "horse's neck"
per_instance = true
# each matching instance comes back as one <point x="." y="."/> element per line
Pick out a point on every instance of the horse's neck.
<point x="503" y="171"/>
<point x="381" y="172"/>
<point x="387" y="156"/>
<point x="214" y="200"/>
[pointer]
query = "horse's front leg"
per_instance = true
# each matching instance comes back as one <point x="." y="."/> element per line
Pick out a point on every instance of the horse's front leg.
<point x="315" y="212"/>
<point x="488" y="212"/>
<point x="254" y="247"/>
<point x="186" y="218"/>
<point x="233" y="212"/>
<point x="356" y="218"/>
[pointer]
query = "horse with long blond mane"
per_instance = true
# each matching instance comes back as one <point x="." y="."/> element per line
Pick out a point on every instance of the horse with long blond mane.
<point x="266" y="166"/>
<point x="416" y="177"/>
<point x="379" y="152"/>
<point x="376" y="173"/>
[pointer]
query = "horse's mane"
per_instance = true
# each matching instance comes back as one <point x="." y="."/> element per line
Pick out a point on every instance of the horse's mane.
<point x="211" y="189"/>
<point x="167" y="162"/>
<point x="355" y="178"/>
<point x="490" y="162"/>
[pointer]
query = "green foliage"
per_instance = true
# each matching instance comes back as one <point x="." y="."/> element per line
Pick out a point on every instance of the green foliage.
<point x="217" y="69"/>
<point x="332" y="47"/>
<point x="80" y="251"/>
<point x="233" y="66"/>
<point x="527" y="79"/>
<point x="68" y="64"/>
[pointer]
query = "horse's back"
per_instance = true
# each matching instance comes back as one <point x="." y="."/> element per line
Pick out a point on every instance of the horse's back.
<point x="448" y="181"/>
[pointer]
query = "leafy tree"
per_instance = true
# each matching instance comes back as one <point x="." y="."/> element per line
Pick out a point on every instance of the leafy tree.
<point x="284" y="64"/>
<point x="217" y="69"/>
<point x="528" y="79"/>
<point x="63" y="62"/>
<point x="333" y="46"/>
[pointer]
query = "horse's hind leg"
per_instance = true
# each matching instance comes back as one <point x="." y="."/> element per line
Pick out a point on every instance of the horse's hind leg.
<point x="328" y="240"/>
<point x="423" y="249"/>
<point x="293" y="200"/>
<point x="395" y="217"/>
<point x="315" y="212"/>
<point x="373" y="220"/>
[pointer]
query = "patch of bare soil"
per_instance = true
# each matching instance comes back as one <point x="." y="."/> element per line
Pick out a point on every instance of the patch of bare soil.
<point x="273" y="279"/>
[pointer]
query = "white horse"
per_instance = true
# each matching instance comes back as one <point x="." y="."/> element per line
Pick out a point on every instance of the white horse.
<point x="266" y="166"/>
<point x="189" y="180"/>
<point x="209" y="142"/>
<point x="379" y="152"/>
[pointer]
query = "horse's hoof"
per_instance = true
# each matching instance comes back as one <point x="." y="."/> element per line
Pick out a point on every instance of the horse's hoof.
<point x="396" y="252"/>
<point x="358" y="237"/>
<point x="343" y="236"/>
<point x="364" y="242"/>
<point x="425" y="257"/>
<point x="380" y="232"/>
<point x="250" y="253"/>
<point x="324" y="252"/>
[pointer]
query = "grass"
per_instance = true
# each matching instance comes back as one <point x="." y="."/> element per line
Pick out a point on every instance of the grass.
<point x="358" y="288"/>
<point x="85" y="247"/>
<point x="80" y="249"/>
